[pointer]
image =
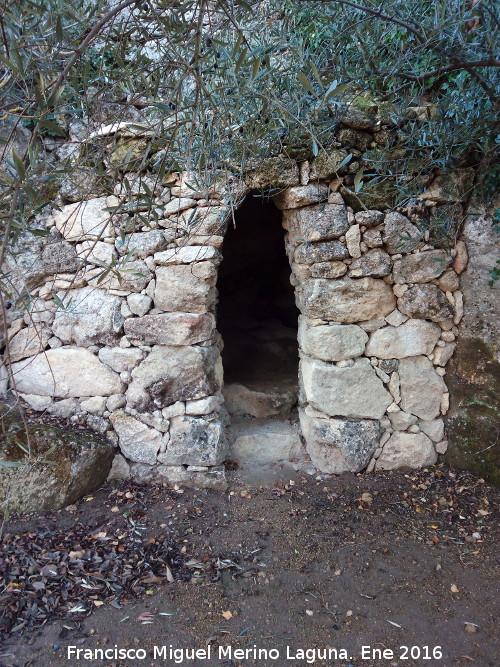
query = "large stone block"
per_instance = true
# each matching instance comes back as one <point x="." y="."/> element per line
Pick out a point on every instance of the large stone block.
<point x="421" y="387"/>
<point x="301" y="195"/>
<point x="66" y="372"/>
<point x="325" y="164"/>
<point x="187" y="255"/>
<point x="64" y="465"/>
<point x="195" y="441"/>
<point x="60" y="257"/>
<point x="311" y="253"/>
<point x="171" y="328"/>
<point x="137" y="441"/>
<point x="142" y="243"/>
<point x="427" y="302"/>
<point x="120" y="359"/>
<point x="400" y="235"/>
<point x="320" y="222"/>
<point x="92" y="316"/>
<point x="28" y="342"/>
<point x="421" y="267"/>
<point x="171" y="374"/>
<point x="410" y="339"/>
<point x="412" y="450"/>
<point x="85" y="219"/>
<point x="339" y="445"/>
<point x="375" y="263"/>
<point x="347" y="300"/>
<point x="185" y="288"/>
<point x="273" y="172"/>
<point x="332" y="343"/>
<point x="353" y="391"/>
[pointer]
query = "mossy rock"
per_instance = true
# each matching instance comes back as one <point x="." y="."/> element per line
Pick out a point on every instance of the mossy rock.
<point x="62" y="465"/>
<point x="472" y="422"/>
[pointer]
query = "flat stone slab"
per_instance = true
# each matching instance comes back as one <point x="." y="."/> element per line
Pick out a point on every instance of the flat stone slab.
<point x="262" y="442"/>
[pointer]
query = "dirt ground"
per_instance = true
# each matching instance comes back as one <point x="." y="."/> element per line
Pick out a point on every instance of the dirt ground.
<point x="402" y="559"/>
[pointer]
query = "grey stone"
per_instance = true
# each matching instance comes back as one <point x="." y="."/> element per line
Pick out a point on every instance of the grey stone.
<point x="95" y="405"/>
<point x="388" y="365"/>
<point x="120" y="359"/>
<point x="320" y="222"/>
<point x="355" y="391"/>
<point x="310" y="253"/>
<point x="184" y="288"/>
<point x="64" y="408"/>
<point x="401" y="420"/>
<point x="325" y="164"/>
<point x="60" y="257"/>
<point x="91" y="316"/>
<point x="353" y="240"/>
<point x="120" y="469"/>
<point x="421" y="387"/>
<point x="195" y="441"/>
<point x="139" y="304"/>
<point x="273" y="172"/>
<point x="66" y="465"/>
<point x="434" y="429"/>
<point x="339" y="445"/>
<point x="137" y="441"/>
<point x="188" y="255"/>
<point x="375" y="263"/>
<point x="330" y="270"/>
<point x="115" y="402"/>
<point x="171" y="374"/>
<point x="66" y="372"/>
<point x="28" y="342"/>
<point x="400" y="235"/>
<point x="332" y="342"/>
<point x="421" y="267"/>
<point x="449" y="281"/>
<point x="347" y="300"/>
<point x="97" y="252"/>
<point x="414" y="337"/>
<point x="264" y="442"/>
<point x="301" y="195"/>
<point x="84" y="219"/>
<point x="413" y="450"/>
<point x="426" y="302"/>
<point x="171" y="328"/>
<point x="142" y="243"/>
<point x="262" y="403"/>
<point x="373" y="238"/>
<point x="354" y="139"/>
<point x="369" y="218"/>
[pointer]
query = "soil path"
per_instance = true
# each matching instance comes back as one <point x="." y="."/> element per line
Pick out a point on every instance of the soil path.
<point x="383" y="561"/>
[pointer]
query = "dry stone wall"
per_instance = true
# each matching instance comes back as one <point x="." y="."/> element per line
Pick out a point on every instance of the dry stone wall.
<point x="135" y="352"/>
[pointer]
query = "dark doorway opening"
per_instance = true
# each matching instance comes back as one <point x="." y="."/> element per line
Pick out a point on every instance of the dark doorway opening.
<point x="257" y="315"/>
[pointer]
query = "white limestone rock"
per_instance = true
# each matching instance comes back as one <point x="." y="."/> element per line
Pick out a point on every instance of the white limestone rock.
<point x="120" y="469"/>
<point x="413" y="338"/>
<point x="29" y="342"/>
<point x="301" y="195"/>
<point x="421" y="387"/>
<point x="400" y="235"/>
<point x="96" y="252"/>
<point x="264" y="442"/>
<point x="433" y="428"/>
<point x="354" y="392"/>
<point x="120" y="359"/>
<point x="137" y="441"/>
<point x="115" y="402"/>
<point x="320" y="222"/>
<point x="425" y="302"/>
<point x="66" y="372"/>
<point x="91" y="316"/>
<point x="35" y="402"/>
<point x="177" y="205"/>
<point x="203" y="406"/>
<point x="413" y="450"/>
<point x="170" y="374"/>
<point x="185" y="288"/>
<point x="188" y="255"/>
<point x="339" y="445"/>
<point x="195" y="441"/>
<point x="139" y="304"/>
<point x="142" y="243"/>
<point x="331" y="342"/>
<point x="353" y="239"/>
<point x="84" y="220"/>
<point x="171" y="328"/>
<point x="346" y="300"/>
<point x="421" y="267"/>
<point x="96" y="405"/>
<point x="375" y="263"/>
<point x="400" y="421"/>
<point x="443" y="354"/>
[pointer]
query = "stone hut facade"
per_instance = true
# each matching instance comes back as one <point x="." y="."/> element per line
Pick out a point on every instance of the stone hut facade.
<point x="122" y="330"/>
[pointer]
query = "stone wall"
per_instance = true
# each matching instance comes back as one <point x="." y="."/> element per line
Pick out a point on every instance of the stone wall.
<point x="127" y="341"/>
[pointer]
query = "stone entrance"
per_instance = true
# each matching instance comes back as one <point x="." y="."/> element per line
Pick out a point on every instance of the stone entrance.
<point x="258" y="320"/>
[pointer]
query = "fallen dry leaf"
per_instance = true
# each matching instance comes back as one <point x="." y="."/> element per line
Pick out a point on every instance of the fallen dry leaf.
<point x="227" y="615"/>
<point x="454" y="588"/>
